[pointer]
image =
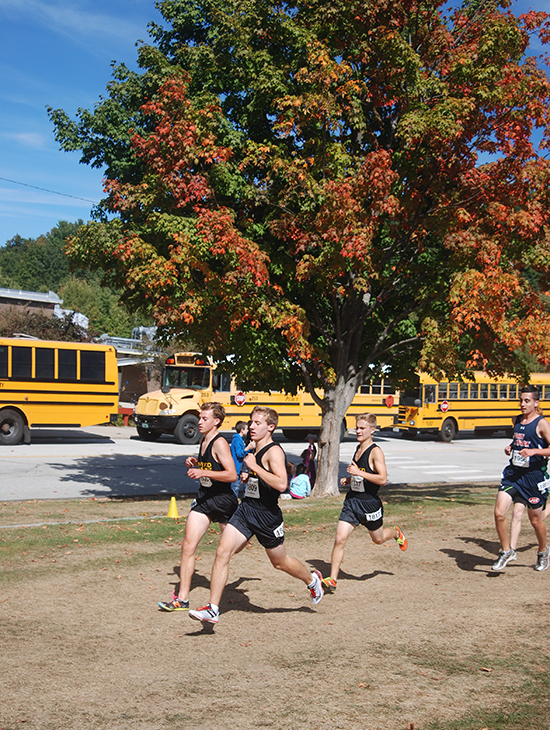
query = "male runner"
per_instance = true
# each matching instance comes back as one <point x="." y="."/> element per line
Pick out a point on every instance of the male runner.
<point x="524" y="479"/>
<point x="362" y="506"/>
<point x="258" y="514"/>
<point x="215" y="500"/>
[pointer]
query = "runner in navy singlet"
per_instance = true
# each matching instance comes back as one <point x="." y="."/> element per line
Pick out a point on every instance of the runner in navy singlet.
<point x="525" y="480"/>
<point x="215" y="500"/>
<point x="258" y="514"/>
<point x="362" y="506"/>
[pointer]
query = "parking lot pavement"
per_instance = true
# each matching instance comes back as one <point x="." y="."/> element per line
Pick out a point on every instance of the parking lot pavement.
<point x="110" y="461"/>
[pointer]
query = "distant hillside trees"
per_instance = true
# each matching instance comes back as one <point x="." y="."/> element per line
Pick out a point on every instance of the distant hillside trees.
<point x="40" y="264"/>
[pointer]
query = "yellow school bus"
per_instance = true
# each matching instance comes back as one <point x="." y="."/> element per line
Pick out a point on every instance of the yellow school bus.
<point x="189" y="380"/>
<point x="483" y="405"/>
<point x="45" y="383"/>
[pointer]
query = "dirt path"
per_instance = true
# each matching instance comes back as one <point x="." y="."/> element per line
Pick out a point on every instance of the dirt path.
<point x="412" y="637"/>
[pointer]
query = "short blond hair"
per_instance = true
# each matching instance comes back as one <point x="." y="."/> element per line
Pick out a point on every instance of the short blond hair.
<point x="270" y="414"/>
<point x="368" y="417"/>
<point x="217" y="410"/>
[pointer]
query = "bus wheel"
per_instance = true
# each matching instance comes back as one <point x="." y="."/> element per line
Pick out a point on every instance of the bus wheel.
<point x="11" y="427"/>
<point x="187" y="430"/>
<point x="448" y="430"/>
<point x="146" y="435"/>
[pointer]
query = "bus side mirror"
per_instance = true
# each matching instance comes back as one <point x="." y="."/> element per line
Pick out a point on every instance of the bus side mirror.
<point x="418" y="403"/>
<point x="165" y="389"/>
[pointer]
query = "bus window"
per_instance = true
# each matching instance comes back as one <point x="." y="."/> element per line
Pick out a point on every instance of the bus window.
<point x="513" y="392"/>
<point x="546" y="392"/>
<point x="377" y="386"/>
<point x="388" y="387"/>
<point x="92" y="367"/>
<point x="411" y="397"/>
<point x="195" y="378"/>
<point x="3" y="361"/>
<point x="484" y="390"/>
<point x="21" y="363"/>
<point x="503" y="391"/>
<point x="221" y="382"/>
<point x="493" y="393"/>
<point x="429" y="394"/>
<point x="365" y="389"/>
<point x="474" y="391"/>
<point x="463" y="391"/>
<point x="442" y="395"/>
<point x="45" y="363"/>
<point x="67" y="364"/>
<point x="453" y="391"/>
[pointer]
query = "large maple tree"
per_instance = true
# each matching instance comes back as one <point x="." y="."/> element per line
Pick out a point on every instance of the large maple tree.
<point x="326" y="189"/>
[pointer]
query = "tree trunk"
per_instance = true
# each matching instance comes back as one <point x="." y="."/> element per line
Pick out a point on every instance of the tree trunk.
<point x="336" y="402"/>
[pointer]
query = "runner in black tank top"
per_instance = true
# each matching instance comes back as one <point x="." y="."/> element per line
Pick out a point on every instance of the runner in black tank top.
<point x="258" y="514"/>
<point x="216" y="502"/>
<point x="362" y="506"/>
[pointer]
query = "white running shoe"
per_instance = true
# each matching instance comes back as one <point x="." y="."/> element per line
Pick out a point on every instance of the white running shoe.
<point x="316" y="587"/>
<point x="206" y="614"/>
<point x="542" y="559"/>
<point x="504" y="558"/>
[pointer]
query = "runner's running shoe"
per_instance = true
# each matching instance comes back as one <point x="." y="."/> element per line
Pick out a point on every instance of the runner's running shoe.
<point x="542" y="559"/>
<point x="401" y="540"/>
<point x="329" y="584"/>
<point x="176" y="604"/>
<point x="316" y="587"/>
<point x="505" y="558"/>
<point x="206" y="614"/>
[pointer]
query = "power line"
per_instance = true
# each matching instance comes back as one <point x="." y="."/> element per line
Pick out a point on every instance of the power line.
<point x="45" y="190"/>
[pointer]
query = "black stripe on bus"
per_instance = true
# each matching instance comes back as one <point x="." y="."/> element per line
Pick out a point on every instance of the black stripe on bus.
<point x="58" y="392"/>
<point x="55" y="403"/>
<point x="55" y="425"/>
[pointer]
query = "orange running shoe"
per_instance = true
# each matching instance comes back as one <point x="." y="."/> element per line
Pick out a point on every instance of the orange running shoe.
<point x="329" y="584"/>
<point x="401" y="540"/>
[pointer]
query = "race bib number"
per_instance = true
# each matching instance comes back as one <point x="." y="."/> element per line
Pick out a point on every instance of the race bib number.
<point x="252" y="488"/>
<point x="373" y="516"/>
<point x="205" y="482"/>
<point x="193" y="504"/>
<point x="518" y="460"/>
<point x="280" y="531"/>
<point x="544" y="486"/>
<point x="357" y="484"/>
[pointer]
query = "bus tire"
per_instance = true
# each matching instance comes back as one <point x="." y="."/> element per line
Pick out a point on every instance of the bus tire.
<point x="147" y="435"/>
<point x="12" y="427"/>
<point x="187" y="430"/>
<point x="448" y="430"/>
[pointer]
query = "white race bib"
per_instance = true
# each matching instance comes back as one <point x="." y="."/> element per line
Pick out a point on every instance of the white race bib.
<point x="518" y="460"/>
<point x="357" y="484"/>
<point x="205" y="482"/>
<point x="280" y="531"/>
<point x="252" y="488"/>
<point x="373" y="516"/>
<point x="544" y="486"/>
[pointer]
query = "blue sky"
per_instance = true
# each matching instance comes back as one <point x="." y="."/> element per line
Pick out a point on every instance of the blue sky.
<point x="58" y="53"/>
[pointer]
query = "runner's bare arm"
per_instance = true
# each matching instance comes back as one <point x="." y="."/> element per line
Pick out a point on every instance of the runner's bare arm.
<point x="222" y="453"/>
<point x="274" y="460"/>
<point x="543" y="429"/>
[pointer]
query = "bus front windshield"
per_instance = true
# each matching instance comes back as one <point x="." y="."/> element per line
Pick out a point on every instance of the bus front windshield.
<point x="186" y="377"/>
<point x="410" y="397"/>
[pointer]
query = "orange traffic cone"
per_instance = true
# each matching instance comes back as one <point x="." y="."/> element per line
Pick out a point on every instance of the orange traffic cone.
<point x="173" y="509"/>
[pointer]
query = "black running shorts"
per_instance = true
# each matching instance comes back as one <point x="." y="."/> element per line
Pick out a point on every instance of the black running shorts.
<point x="268" y="526"/>
<point x="219" y="508"/>
<point x="367" y="512"/>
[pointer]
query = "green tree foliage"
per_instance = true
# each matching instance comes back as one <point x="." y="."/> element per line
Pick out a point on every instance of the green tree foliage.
<point x="333" y="186"/>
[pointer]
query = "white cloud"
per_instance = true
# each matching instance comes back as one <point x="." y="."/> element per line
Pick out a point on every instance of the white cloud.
<point x="34" y="140"/>
<point x="73" y="19"/>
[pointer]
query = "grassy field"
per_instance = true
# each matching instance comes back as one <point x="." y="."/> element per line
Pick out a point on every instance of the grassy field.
<point x="429" y="639"/>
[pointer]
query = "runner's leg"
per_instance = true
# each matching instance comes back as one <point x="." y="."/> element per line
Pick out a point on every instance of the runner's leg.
<point x="515" y="527"/>
<point x="195" y="529"/>
<point x="539" y="525"/>
<point x="232" y="541"/>
<point x="281" y="561"/>
<point x="502" y="506"/>
<point x="343" y="531"/>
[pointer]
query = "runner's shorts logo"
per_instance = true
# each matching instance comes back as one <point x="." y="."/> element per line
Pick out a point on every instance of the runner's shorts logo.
<point x="534" y="500"/>
<point x="373" y="516"/>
